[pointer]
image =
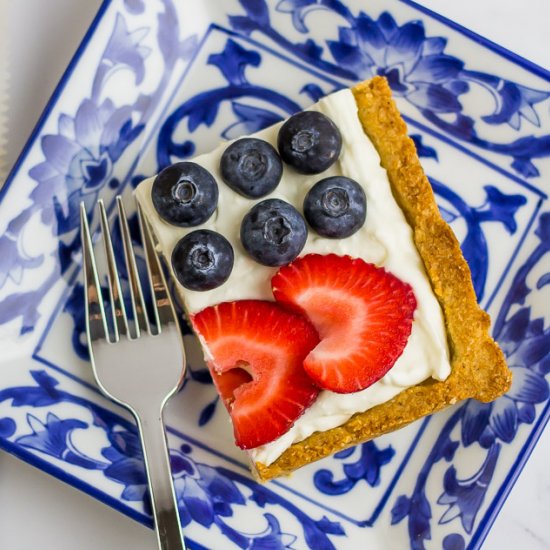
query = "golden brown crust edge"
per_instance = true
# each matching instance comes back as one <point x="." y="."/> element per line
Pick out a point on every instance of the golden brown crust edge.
<point x="479" y="369"/>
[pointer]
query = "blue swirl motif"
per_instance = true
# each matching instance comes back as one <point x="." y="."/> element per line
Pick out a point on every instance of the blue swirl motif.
<point x="417" y="68"/>
<point x="526" y="344"/>
<point x="498" y="207"/>
<point x="203" y="108"/>
<point x="79" y="159"/>
<point x="366" y="468"/>
<point x="206" y="495"/>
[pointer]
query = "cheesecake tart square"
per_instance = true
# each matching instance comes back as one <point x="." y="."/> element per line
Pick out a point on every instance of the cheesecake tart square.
<point x="464" y="361"/>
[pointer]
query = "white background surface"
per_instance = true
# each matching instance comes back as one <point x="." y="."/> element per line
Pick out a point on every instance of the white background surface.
<point x="36" y="510"/>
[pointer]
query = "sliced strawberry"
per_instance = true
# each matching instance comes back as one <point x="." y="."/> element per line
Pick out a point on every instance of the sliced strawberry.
<point x="257" y="350"/>
<point x="362" y="313"/>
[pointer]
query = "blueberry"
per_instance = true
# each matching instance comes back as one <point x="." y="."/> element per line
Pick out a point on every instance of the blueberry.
<point x="251" y="167"/>
<point x="336" y="207"/>
<point x="273" y="232"/>
<point x="310" y="142"/>
<point x="202" y="260"/>
<point x="185" y="194"/>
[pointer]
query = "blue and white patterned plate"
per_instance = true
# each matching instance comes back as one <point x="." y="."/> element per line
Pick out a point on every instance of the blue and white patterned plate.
<point x="161" y="80"/>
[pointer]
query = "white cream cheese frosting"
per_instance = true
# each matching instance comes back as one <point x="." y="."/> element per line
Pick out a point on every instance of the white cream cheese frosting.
<point x="384" y="240"/>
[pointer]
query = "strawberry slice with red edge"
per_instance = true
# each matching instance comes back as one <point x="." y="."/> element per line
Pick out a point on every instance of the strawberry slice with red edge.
<point x="363" y="315"/>
<point x="257" y="351"/>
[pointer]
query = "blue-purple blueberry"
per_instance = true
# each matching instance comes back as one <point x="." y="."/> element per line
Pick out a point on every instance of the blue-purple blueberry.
<point x="251" y="167"/>
<point x="309" y="142"/>
<point x="336" y="207"/>
<point x="202" y="260"/>
<point x="185" y="194"/>
<point x="273" y="232"/>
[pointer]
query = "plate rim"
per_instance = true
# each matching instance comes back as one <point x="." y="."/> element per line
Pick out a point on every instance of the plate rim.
<point x="34" y="460"/>
<point x="482" y="40"/>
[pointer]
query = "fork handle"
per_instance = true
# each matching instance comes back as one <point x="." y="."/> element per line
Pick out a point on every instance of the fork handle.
<point x="163" y="499"/>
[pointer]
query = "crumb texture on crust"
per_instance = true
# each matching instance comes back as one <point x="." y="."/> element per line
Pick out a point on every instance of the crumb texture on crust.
<point x="478" y="366"/>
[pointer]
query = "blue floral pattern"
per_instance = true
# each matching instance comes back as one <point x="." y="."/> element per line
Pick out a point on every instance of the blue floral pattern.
<point x="417" y="69"/>
<point x="79" y="160"/>
<point x="526" y="343"/>
<point x="84" y="155"/>
<point x="203" y="108"/>
<point x="205" y="495"/>
<point x="366" y="468"/>
<point x="498" y="207"/>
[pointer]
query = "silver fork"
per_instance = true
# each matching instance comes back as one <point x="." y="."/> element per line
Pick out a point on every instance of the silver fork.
<point x="138" y="365"/>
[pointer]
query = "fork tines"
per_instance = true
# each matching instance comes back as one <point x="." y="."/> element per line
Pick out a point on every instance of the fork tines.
<point x="162" y="310"/>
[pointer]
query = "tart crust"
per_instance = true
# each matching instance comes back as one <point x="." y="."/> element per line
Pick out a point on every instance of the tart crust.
<point x="478" y="367"/>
